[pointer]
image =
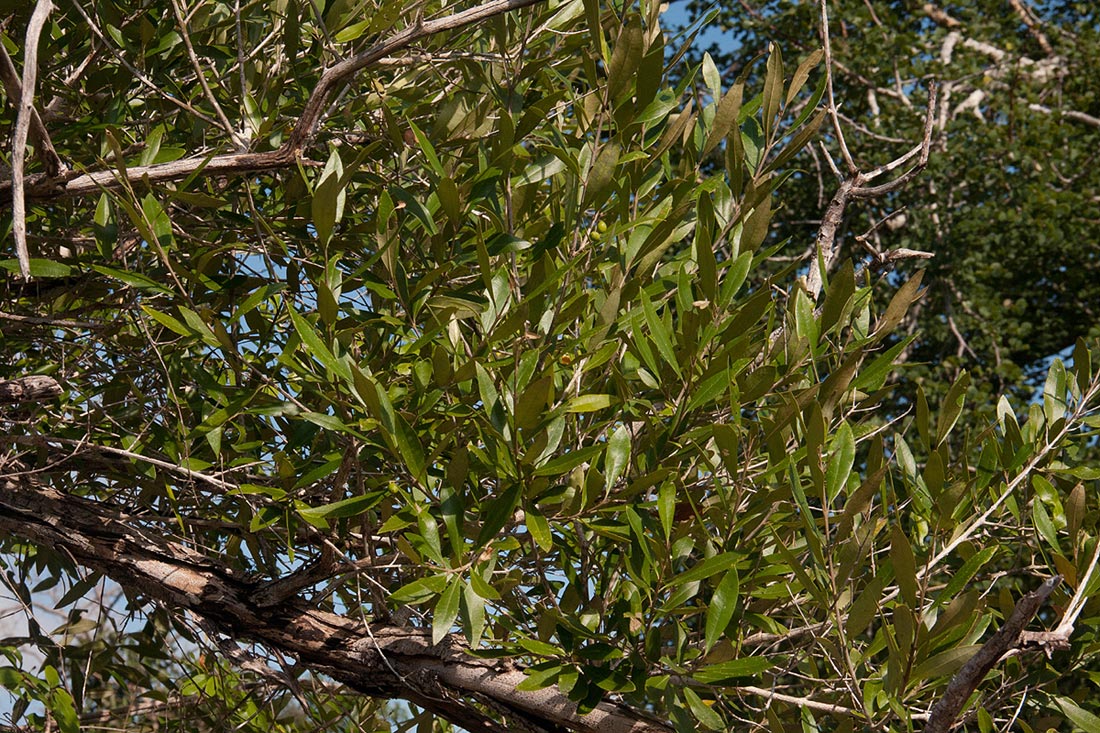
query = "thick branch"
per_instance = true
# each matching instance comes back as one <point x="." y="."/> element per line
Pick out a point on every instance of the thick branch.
<point x="380" y="661"/>
<point x="28" y="389"/>
<point x="22" y="128"/>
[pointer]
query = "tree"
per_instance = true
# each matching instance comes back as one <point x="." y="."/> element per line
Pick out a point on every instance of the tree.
<point x="421" y="354"/>
<point x="1007" y="204"/>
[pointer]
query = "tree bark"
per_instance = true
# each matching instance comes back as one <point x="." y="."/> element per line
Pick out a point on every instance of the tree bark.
<point x="382" y="661"/>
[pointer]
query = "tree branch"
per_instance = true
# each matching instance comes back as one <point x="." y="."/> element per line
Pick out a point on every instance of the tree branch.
<point x="377" y="660"/>
<point x="43" y="187"/>
<point x="1007" y="638"/>
<point x="22" y="126"/>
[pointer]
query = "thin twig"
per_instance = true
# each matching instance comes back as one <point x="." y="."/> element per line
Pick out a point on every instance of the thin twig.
<point x="833" y="112"/>
<point x="239" y="142"/>
<point x="43" y="146"/>
<point x="22" y="126"/>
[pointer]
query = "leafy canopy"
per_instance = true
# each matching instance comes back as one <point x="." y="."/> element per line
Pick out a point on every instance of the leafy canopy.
<point x="502" y="354"/>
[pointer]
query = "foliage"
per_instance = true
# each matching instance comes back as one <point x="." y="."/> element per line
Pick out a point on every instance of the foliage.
<point x="1006" y="204"/>
<point x="505" y="357"/>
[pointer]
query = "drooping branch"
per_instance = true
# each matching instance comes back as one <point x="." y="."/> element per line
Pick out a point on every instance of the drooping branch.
<point x="382" y="661"/>
<point x="44" y="186"/>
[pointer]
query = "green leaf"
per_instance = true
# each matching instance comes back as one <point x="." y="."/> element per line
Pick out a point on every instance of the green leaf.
<point x="773" y="90"/>
<point x="944" y="663"/>
<point x="702" y="712"/>
<point x="952" y="407"/>
<point x="841" y="460"/>
<point x="446" y="609"/>
<point x="588" y="403"/>
<point x="158" y="219"/>
<point x="802" y="73"/>
<point x="132" y="278"/>
<point x="721" y="608"/>
<point x="968" y="570"/>
<point x="538" y="679"/>
<point x="905" y="566"/>
<point x="419" y="590"/>
<point x="660" y="334"/>
<point x="353" y="507"/>
<point x="63" y="708"/>
<point x="500" y="510"/>
<point x="540" y="530"/>
<point x="1077" y="715"/>
<point x="617" y="457"/>
<point x="40" y="267"/>
<point x="727" y="672"/>
<point x="705" y="569"/>
<point x="315" y="347"/>
<point x="907" y="294"/>
<point x="725" y="116"/>
<point x="328" y="198"/>
<point x="167" y="321"/>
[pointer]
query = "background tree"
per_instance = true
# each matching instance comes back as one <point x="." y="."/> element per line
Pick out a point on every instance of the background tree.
<point x="1007" y="204"/>
<point x="426" y="354"/>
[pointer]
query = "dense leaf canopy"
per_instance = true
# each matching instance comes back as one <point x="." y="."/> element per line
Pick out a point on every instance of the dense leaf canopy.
<point x="410" y="364"/>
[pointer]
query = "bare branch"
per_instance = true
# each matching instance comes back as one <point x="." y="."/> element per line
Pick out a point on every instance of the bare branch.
<point x="833" y="111"/>
<point x="22" y="126"/>
<point x="43" y="146"/>
<point x="34" y="388"/>
<point x="239" y="142"/>
<point x="1028" y="19"/>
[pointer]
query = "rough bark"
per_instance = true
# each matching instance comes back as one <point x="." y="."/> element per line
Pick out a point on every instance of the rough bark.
<point x="28" y="389"/>
<point x="382" y="661"/>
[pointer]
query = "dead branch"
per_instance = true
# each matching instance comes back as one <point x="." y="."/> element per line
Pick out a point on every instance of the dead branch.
<point x="34" y="388"/>
<point x="854" y="183"/>
<point x="43" y="146"/>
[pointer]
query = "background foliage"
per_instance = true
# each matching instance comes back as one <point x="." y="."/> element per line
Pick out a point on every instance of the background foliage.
<point x="1007" y="203"/>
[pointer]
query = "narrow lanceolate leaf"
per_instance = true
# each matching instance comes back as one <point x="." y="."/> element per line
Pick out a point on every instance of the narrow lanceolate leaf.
<point x="328" y="198"/>
<point x="660" y="334"/>
<point x="952" y="407"/>
<point x="725" y="117"/>
<point x="841" y="460"/>
<point x="773" y="91"/>
<point x="728" y="672"/>
<point x="722" y="605"/>
<point x="314" y="346"/>
<point x="1080" y="717"/>
<point x="588" y="403"/>
<point x="617" y="457"/>
<point x="446" y="609"/>
<point x="352" y="507"/>
<point x="905" y="566"/>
